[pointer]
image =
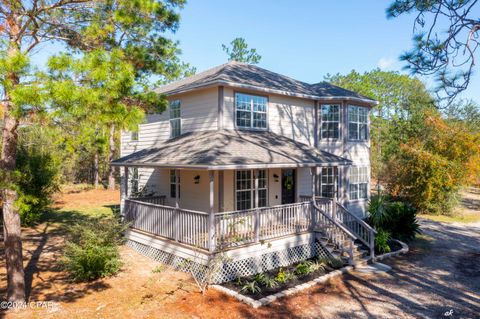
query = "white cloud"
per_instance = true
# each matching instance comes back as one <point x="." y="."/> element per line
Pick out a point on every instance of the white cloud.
<point x="385" y="63"/>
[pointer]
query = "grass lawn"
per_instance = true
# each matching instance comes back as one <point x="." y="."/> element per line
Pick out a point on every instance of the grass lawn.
<point x="468" y="210"/>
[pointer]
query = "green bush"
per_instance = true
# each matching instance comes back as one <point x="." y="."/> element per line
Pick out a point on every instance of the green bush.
<point x="91" y="251"/>
<point x="284" y="275"/>
<point x="251" y="287"/>
<point x="36" y="180"/>
<point x="303" y="268"/>
<point x="397" y="218"/>
<point x="381" y="241"/>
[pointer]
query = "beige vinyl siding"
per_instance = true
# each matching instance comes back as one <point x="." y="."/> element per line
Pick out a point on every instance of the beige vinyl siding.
<point x="275" y="187"/>
<point x="228" y="191"/>
<point x="199" y="112"/>
<point x="304" y="182"/>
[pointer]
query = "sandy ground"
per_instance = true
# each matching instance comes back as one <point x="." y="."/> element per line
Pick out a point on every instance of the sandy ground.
<point x="440" y="275"/>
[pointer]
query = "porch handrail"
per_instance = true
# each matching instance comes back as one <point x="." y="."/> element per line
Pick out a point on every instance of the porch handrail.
<point x="338" y="234"/>
<point x="364" y="232"/>
<point x="159" y="199"/>
<point x="182" y="225"/>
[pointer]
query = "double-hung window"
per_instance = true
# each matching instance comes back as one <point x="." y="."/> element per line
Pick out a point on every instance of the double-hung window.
<point x="328" y="182"/>
<point x="173" y="184"/>
<point x="251" y="111"/>
<point x="329" y="121"/>
<point x="357" y="123"/>
<point x="358" y="182"/>
<point x="245" y="189"/>
<point x="175" y="119"/>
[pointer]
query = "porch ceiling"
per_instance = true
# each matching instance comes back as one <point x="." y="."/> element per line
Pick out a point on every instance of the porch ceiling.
<point x="229" y="149"/>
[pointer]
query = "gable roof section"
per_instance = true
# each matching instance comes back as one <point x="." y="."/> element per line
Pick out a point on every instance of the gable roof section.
<point x="249" y="76"/>
<point x="228" y="149"/>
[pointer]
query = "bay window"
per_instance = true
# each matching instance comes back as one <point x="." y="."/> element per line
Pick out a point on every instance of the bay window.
<point x="357" y="123"/>
<point x="358" y="182"/>
<point x="329" y="121"/>
<point x="328" y="182"/>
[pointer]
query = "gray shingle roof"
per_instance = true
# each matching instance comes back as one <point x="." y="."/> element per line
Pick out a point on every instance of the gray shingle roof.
<point x="252" y="76"/>
<point x="228" y="149"/>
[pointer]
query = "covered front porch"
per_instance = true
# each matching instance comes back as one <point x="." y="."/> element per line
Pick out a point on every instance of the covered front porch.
<point x="238" y="193"/>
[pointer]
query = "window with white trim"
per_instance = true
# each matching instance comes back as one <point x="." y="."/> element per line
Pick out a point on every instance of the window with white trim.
<point x="175" y="119"/>
<point x="173" y="184"/>
<point x="329" y="182"/>
<point x="251" y="111"/>
<point x="329" y="121"/>
<point x="357" y="123"/>
<point x="245" y="189"/>
<point x="358" y="179"/>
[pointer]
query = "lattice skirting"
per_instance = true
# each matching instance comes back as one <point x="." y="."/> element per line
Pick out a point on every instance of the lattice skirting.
<point x="231" y="269"/>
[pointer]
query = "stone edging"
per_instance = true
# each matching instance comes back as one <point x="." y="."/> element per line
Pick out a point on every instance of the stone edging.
<point x="404" y="250"/>
<point x="320" y="280"/>
<point x="266" y="300"/>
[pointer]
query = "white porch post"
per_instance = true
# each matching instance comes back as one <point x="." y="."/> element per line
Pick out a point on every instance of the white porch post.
<point x="177" y="187"/>
<point x="313" y="172"/>
<point x="257" y="214"/>
<point x="124" y="191"/>
<point x="211" y="216"/>
<point x="177" y="205"/>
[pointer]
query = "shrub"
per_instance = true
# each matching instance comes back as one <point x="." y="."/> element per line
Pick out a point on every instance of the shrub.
<point x="91" y="251"/>
<point x="251" y="287"/>
<point x="381" y="241"/>
<point x="36" y="180"/>
<point x="335" y="263"/>
<point x="317" y="265"/>
<point x="284" y="275"/>
<point x="303" y="268"/>
<point x="397" y="218"/>
<point x="269" y="282"/>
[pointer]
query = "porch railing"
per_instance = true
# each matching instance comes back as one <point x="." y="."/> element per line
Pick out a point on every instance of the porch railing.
<point x="254" y="225"/>
<point x="182" y="225"/>
<point x="158" y="200"/>
<point x="364" y="232"/>
<point x="230" y="229"/>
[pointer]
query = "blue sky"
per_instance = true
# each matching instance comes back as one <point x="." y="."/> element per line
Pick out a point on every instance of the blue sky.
<point x="301" y="39"/>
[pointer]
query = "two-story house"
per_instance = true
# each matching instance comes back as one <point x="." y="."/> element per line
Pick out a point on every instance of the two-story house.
<point x="243" y="157"/>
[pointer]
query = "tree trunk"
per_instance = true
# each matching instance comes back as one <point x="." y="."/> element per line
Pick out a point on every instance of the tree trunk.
<point x="12" y="236"/>
<point x="111" y="157"/>
<point x="95" y="170"/>
<point x="11" y="219"/>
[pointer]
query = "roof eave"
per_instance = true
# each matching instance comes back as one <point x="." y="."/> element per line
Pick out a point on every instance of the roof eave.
<point x="262" y="89"/>
<point x="233" y="166"/>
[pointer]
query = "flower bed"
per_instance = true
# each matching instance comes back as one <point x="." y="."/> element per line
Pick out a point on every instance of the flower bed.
<point x="280" y="279"/>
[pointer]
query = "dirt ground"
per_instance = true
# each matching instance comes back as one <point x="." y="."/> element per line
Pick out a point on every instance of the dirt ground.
<point x="441" y="275"/>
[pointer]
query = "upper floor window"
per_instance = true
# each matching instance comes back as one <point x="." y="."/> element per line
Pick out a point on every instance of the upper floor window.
<point x="358" y="182"/>
<point x="251" y="111"/>
<point x="329" y="121"/>
<point x="175" y="119"/>
<point x="357" y="123"/>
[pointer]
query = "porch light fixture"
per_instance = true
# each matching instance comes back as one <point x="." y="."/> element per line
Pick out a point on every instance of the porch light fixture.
<point x="197" y="179"/>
